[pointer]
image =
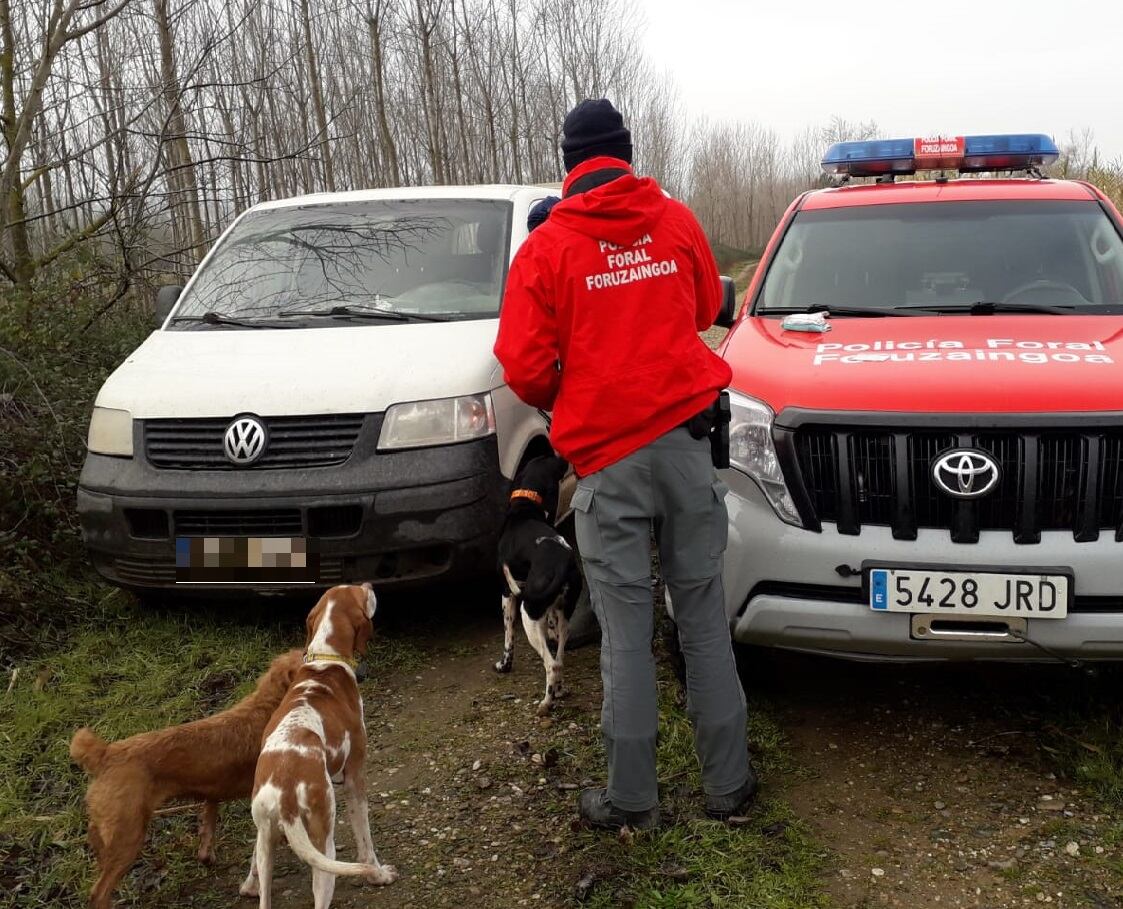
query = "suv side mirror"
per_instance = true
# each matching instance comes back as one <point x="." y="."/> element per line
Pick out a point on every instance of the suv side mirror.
<point x="166" y="298"/>
<point x="727" y="315"/>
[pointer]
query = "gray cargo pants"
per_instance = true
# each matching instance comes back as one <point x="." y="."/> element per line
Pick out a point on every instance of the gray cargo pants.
<point x="670" y="485"/>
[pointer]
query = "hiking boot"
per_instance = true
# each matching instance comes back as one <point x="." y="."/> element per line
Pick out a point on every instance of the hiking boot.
<point x="737" y="803"/>
<point x="598" y="811"/>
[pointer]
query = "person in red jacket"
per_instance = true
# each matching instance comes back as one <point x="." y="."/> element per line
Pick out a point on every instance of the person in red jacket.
<point x="599" y="325"/>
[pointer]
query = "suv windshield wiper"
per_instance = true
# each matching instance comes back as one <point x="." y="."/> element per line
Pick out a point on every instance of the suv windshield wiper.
<point x="990" y="307"/>
<point x="348" y="312"/>
<point x="218" y="318"/>
<point x="875" y="311"/>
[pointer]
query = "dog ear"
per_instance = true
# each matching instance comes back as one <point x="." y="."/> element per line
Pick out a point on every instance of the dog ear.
<point x="363" y="633"/>
<point x="313" y="620"/>
<point x="371" y="599"/>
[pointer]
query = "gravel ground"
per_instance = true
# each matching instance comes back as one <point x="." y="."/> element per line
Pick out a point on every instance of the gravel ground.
<point x="933" y="785"/>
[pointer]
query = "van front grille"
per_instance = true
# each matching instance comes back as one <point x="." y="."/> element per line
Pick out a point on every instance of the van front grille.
<point x="147" y="571"/>
<point x="292" y="442"/>
<point x="273" y="522"/>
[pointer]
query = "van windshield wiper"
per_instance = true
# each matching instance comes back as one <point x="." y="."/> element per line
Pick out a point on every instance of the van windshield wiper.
<point x="349" y="312"/>
<point x="218" y="318"/>
<point x="875" y="311"/>
<point x="990" y="307"/>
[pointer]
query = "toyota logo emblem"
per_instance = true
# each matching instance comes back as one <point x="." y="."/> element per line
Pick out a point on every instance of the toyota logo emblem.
<point x="966" y="473"/>
<point x="244" y="441"/>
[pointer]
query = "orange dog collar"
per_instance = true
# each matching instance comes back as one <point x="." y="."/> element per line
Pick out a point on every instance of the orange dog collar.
<point x="527" y="494"/>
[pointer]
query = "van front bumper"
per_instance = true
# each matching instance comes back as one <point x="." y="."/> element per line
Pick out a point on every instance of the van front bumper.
<point x="791" y="588"/>
<point x="397" y="519"/>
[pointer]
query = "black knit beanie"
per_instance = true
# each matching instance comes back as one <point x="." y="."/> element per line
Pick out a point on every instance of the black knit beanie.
<point x="594" y="128"/>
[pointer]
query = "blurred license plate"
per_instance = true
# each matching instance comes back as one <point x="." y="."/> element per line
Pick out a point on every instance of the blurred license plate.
<point x="244" y="560"/>
<point x="918" y="590"/>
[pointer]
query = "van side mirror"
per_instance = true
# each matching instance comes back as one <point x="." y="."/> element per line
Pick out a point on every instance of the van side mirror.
<point x="166" y="298"/>
<point x="727" y="314"/>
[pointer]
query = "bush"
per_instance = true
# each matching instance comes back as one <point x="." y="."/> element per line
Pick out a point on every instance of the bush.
<point x="55" y="351"/>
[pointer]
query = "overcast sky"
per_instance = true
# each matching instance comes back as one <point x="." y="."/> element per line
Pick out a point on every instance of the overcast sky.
<point x="955" y="68"/>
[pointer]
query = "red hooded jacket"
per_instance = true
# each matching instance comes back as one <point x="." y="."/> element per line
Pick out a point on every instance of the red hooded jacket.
<point x="601" y="316"/>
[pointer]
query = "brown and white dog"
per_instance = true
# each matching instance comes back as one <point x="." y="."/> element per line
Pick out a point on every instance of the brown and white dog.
<point x="317" y="736"/>
<point x="212" y="759"/>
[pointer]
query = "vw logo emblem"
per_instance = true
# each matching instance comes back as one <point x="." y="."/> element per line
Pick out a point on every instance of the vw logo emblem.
<point x="244" y="441"/>
<point x="966" y="473"/>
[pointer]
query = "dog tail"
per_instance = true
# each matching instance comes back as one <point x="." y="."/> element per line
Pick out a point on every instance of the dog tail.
<point x="87" y="750"/>
<point x="310" y="855"/>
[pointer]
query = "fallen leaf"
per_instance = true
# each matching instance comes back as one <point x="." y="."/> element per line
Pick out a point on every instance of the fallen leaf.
<point x="584" y="886"/>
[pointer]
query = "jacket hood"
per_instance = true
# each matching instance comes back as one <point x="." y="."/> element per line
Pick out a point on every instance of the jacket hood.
<point x="620" y="211"/>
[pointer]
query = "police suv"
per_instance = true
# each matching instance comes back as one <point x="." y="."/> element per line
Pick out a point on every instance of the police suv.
<point x="939" y="474"/>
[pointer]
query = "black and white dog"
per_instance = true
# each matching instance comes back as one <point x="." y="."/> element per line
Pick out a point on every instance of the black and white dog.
<point x="541" y="579"/>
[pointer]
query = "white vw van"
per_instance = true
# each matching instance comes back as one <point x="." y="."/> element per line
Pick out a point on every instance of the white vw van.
<point x="320" y="402"/>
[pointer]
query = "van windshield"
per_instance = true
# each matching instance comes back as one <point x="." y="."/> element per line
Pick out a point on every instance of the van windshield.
<point x="374" y="262"/>
<point x="1043" y="256"/>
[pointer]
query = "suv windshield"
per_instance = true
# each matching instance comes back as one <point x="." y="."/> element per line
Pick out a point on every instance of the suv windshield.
<point x="376" y="262"/>
<point x="949" y="256"/>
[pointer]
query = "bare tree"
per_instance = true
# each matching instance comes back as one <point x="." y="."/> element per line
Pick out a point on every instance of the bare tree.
<point x="135" y="131"/>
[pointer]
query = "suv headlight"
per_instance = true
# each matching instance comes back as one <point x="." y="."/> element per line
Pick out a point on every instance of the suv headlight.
<point x="752" y="451"/>
<point x="440" y="422"/>
<point x="111" y="432"/>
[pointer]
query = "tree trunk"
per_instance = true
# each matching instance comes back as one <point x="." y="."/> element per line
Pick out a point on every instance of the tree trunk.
<point x="13" y="209"/>
<point x="182" y="177"/>
<point x="317" y="98"/>
<point x="389" y="147"/>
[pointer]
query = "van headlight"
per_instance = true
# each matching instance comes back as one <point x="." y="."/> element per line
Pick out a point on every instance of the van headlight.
<point x="111" y="432"/>
<point x="752" y="451"/>
<point x="440" y="422"/>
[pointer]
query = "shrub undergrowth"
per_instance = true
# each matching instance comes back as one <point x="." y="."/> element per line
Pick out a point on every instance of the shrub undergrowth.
<point x="55" y="351"/>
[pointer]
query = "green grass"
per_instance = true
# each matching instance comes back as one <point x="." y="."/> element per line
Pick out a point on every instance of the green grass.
<point x="1081" y="733"/>
<point x="706" y="864"/>
<point x="691" y="861"/>
<point x="130" y="671"/>
<point x="126" y="670"/>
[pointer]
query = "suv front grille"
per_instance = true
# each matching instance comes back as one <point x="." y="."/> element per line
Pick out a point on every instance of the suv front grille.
<point x="305" y="441"/>
<point x="1051" y="479"/>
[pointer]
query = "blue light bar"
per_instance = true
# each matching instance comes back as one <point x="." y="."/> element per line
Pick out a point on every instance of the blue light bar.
<point x="1015" y="152"/>
<point x="870" y="158"/>
<point x="969" y="154"/>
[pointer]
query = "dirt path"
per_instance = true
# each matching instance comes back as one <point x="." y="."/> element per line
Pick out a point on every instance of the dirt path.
<point x="928" y="786"/>
<point x="470" y="792"/>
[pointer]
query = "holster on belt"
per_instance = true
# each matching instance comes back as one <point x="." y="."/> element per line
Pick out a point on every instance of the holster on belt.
<point x="713" y="422"/>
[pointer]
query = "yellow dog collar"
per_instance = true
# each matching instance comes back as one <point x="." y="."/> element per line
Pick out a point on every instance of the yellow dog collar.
<point x="329" y="658"/>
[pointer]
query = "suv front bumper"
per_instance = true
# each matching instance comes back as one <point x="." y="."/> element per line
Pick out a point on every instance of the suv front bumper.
<point x="397" y="518"/>
<point x="784" y="588"/>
